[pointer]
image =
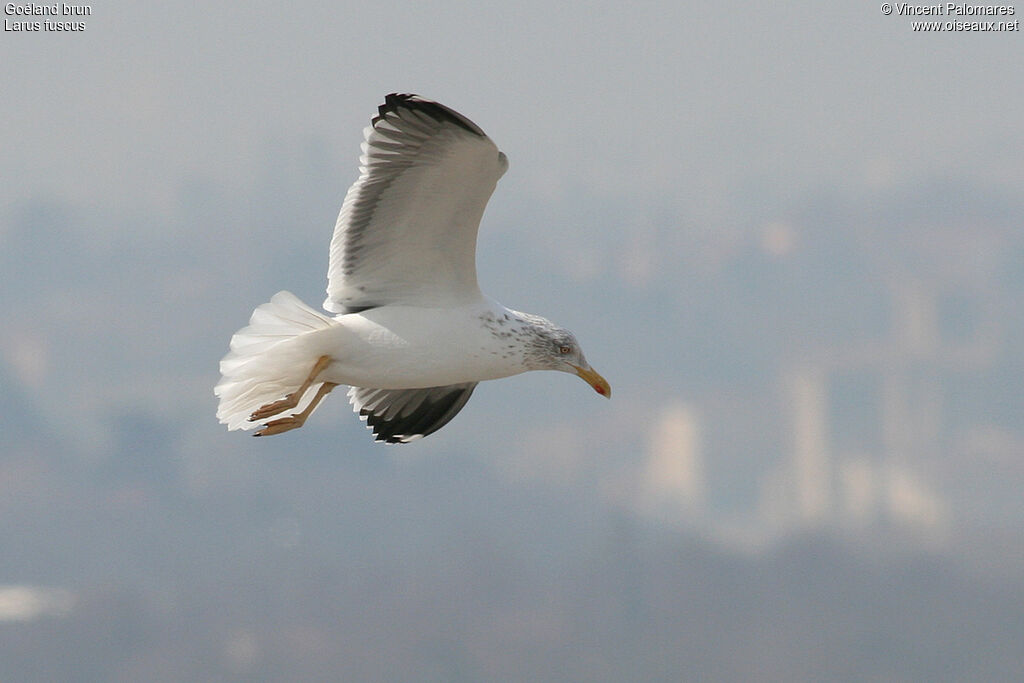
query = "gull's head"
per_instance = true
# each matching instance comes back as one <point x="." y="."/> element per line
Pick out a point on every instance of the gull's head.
<point x="556" y="348"/>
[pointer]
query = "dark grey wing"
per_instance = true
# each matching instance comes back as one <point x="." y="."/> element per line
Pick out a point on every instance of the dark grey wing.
<point x="407" y="229"/>
<point x="404" y="415"/>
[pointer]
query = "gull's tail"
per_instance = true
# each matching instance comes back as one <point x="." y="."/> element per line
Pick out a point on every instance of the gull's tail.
<point x="270" y="358"/>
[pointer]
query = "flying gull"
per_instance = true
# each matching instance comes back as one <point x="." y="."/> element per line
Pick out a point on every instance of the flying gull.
<point x="411" y="333"/>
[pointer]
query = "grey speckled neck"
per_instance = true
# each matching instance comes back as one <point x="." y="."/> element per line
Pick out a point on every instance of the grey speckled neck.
<point x="530" y="339"/>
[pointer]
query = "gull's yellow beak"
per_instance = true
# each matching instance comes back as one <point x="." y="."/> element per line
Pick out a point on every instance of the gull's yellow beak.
<point x="591" y="377"/>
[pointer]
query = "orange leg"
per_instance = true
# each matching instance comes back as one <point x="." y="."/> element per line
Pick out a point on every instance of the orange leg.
<point x="291" y="422"/>
<point x="292" y="399"/>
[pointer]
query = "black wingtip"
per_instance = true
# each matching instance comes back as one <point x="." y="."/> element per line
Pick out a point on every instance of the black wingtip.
<point x="396" y="101"/>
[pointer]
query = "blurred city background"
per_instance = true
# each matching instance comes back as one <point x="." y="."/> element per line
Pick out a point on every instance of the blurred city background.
<point x="791" y="238"/>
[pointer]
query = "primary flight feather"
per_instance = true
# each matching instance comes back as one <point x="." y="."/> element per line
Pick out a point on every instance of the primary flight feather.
<point x="411" y="334"/>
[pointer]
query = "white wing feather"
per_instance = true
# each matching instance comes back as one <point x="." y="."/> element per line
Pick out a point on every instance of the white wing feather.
<point x="407" y="229"/>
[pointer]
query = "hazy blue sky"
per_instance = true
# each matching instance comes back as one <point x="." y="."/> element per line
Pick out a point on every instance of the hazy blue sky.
<point x="650" y="100"/>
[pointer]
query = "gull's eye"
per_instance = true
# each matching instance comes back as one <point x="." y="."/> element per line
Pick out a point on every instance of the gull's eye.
<point x="564" y="350"/>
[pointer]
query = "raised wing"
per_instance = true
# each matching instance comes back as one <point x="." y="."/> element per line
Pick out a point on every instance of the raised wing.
<point x="407" y="228"/>
<point x="403" y="415"/>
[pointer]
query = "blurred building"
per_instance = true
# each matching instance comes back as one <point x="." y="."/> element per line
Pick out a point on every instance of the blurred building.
<point x="673" y="487"/>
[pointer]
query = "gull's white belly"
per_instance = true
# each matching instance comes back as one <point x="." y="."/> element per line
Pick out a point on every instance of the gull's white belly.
<point x="406" y="347"/>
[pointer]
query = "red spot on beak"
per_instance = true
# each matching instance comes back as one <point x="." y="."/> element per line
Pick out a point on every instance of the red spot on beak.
<point x="599" y="389"/>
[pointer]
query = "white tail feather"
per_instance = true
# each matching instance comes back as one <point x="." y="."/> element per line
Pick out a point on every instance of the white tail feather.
<point x="269" y="359"/>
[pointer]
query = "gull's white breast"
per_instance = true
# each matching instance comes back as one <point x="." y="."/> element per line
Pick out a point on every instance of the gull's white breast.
<point x="408" y="347"/>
